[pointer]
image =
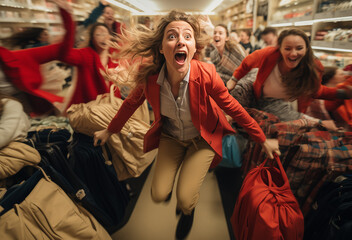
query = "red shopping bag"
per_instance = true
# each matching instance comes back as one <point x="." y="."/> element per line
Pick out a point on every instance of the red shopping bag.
<point x="266" y="208"/>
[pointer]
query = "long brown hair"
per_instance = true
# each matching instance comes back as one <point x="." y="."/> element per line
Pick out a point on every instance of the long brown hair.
<point x="329" y="73"/>
<point x="303" y="80"/>
<point x="92" y="31"/>
<point x="142" y="48"/>
<point x="229" y="44"/>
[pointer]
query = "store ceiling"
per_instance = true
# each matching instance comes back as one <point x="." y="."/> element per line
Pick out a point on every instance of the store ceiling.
<point x="188" y="5"/>
<point x="198" y="6"/>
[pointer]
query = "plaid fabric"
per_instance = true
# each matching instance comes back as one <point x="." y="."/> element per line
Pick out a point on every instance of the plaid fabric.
<point x="317" y="109"/>
<point x="225" y="65"/>
<point x="309" y="153"/>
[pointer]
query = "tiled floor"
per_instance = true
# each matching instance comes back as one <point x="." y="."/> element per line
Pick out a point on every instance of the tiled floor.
<point x="151" y="221"/>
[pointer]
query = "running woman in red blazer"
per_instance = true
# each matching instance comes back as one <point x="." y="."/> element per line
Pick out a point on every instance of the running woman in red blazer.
<point x="187" y="97"/>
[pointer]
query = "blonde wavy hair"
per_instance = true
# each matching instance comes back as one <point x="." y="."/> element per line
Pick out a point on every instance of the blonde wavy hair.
<point x="139" y="49"/>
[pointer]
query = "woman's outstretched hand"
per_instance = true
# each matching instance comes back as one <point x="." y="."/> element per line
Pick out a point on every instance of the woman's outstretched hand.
<point x="100" y="137"/>
<point x="231" y="84"/>
<point x="271" y="146"/>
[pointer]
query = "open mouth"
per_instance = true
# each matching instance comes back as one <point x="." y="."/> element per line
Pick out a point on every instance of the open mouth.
<point x="293" y="60"/>
<point x="180" y="57"/>
<point x="217" y="40"/>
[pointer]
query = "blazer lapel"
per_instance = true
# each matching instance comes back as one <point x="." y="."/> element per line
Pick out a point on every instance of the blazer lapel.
<point x="194" y="94"/>
<point x="153" y="94"/>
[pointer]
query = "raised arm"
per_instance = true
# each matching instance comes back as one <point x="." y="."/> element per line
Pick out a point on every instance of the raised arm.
<point x="95" y="14"/>
<point x="57" y="51"/>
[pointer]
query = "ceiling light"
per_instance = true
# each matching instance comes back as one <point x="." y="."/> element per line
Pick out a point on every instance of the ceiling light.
<point x="145" y="5"/>
<point x="153" y="13"/>
<point x="123" y="6"/>
<point x="212" y="6"/>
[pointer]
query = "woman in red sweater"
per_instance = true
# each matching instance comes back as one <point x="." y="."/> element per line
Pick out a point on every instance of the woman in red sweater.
<point x="289" y="71"/>
<point x="90" y="62"/>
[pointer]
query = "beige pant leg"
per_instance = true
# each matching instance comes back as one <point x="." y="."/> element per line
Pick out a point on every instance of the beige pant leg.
<point x="170" y="155"/>
<point x="195" y="166"/>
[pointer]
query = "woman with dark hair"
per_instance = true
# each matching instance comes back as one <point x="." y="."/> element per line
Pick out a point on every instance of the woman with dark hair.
<point x="245" y="40"/>
<point x="187" y="97"/>
<point x="288" y="72"/>
<point x="339" y="110"/>
<point x="90" y="62"/>
<point x="28" y="38"/>
<point x="225" y="54"/>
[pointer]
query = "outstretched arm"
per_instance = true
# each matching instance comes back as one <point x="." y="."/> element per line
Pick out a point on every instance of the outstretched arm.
<point x="95" y="14"/>
<point x="57" y="51"/>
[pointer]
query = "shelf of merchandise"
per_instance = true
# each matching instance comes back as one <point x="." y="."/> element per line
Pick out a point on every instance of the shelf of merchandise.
<point x="237" y="16"/>
<point x="304" y="14"/>
<point x="17" y="14"/>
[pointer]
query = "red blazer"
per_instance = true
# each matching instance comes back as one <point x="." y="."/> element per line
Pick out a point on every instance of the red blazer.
<point x="265" y="59"/>
<point x="207" y="95"/>
<point x="22" y="66"/>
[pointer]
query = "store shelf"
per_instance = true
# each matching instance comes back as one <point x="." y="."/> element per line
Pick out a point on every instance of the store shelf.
<point x="16" y="14"/>
<point x="5" y="5"/>
<point x="14" y="20"/>
<point x="322" y="44"/>
<point x="291" y="4"/>
<point x="315" y="22"/>
<point x="236" y="16"/>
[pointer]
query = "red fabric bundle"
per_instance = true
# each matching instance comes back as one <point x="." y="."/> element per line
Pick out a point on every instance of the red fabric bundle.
<point x="266" y="209"/>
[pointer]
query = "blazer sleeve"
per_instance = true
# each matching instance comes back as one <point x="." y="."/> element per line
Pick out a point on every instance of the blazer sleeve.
<point x="333" y="105"/>
<point x="251" y="61"/>
<point x="128" y="107"/>
<point x="230" y="105"/>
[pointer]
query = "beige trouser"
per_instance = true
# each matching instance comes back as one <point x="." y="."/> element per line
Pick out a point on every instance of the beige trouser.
<point x="195" y="155"/>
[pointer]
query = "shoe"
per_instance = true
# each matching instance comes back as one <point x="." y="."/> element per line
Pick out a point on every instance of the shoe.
<point x="184" y="225"/>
